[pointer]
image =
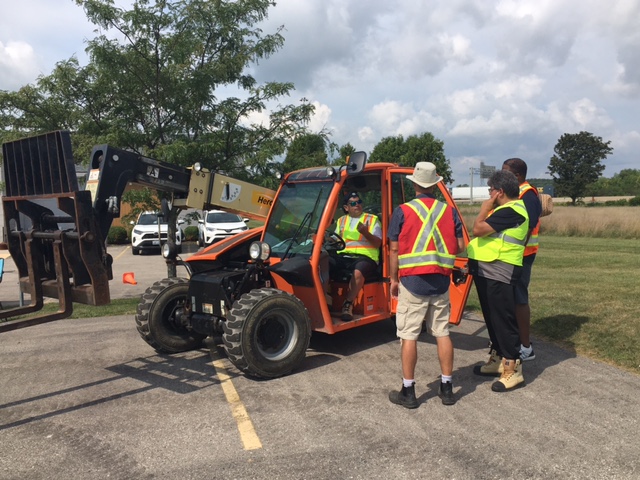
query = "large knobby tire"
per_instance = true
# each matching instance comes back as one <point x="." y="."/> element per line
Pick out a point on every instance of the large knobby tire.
<point x="267" y="333"/>
<point x="157" y="317"/>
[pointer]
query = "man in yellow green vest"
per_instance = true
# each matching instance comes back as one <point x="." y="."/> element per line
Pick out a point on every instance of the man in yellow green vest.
<point x="362" y="234"/>
<point x="529" y="195"/>
<point x="495" y="260"/>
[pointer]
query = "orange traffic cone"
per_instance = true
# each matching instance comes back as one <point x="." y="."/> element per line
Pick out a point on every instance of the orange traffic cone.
<point x="128" y="277"/>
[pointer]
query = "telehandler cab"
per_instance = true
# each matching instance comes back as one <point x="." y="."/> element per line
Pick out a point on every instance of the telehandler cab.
<point x="264" y="290"/>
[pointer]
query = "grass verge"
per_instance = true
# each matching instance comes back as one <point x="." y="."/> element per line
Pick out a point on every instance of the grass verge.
<point x="120" y="306"/>
<point x="585" y="296"/>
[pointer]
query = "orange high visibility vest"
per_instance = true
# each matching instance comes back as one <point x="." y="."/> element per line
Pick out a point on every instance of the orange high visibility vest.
<point x="533" y="243"/>
<point x="427" y="243"/>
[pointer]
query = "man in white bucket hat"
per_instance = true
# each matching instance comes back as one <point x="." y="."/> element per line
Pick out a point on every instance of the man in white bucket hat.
<point x="425" y="236"/>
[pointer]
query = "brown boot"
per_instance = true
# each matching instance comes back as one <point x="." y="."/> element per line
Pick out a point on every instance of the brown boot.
<point x="493" y="367"/>
<point x="511" y="377"/>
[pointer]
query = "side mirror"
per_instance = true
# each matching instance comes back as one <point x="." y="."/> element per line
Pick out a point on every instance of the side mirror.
<point x="180" y="221"/>
<point x="356" y="163"/>
<point x="132" y="222"/>
<point x="201" y="221"/>
<point x="245" y="220"/>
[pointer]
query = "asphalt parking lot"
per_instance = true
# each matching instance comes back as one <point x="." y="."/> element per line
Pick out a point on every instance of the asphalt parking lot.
<point x="89" y="399"/>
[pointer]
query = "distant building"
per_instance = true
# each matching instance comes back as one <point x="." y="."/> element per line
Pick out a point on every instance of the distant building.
<point x="478" y="194"/>
<point x="548" y="189"/>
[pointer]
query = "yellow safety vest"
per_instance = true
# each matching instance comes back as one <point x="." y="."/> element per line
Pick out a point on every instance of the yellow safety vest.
<point x="357" y="243"/>
<point x="506" y="246"/>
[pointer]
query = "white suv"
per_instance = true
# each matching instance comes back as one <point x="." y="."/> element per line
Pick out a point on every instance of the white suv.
<point x="145" y="233"/>
<point x="217" y="225"/>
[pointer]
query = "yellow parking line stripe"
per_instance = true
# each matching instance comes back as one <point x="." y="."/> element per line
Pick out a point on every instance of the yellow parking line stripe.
<point x="248" y="434"/>
<point x="122" y="252"/>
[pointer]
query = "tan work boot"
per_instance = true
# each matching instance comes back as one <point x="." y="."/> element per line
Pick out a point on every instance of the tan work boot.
<point x="347" y="311"/>
<point x="511" y="377"/>
<point x="493" y="367"/>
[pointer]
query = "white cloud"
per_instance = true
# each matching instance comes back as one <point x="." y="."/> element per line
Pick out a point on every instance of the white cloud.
<point x="321" y="117"/>
<point x="366" y="135"/>
<point x="586" y="114"/>
<point x="18" y="65"/>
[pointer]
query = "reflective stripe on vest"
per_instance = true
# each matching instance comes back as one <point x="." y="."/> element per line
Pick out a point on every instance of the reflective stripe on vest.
<point x="431" y="249"/>
<point x="356" y="242"/>
<point x="506" y="246"/>
<point x="533" y="243"/>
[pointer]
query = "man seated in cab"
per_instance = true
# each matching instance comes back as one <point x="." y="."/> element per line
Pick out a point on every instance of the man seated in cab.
<point x="362" y="234"/>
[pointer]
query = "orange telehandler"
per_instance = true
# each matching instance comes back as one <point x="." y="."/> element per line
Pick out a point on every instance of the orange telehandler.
<point x="264" y="290"/>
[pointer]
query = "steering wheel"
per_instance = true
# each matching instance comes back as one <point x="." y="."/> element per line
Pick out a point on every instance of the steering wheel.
<point x="333" y="242"/>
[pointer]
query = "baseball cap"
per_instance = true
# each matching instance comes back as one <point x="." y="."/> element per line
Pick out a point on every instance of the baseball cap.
<point x="348" y="196"/>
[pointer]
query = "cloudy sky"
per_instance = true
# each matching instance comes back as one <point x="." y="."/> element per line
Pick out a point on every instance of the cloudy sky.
<point x="492" y="79"/>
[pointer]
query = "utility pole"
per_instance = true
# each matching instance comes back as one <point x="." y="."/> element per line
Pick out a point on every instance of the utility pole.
<point x="472" y="172"/>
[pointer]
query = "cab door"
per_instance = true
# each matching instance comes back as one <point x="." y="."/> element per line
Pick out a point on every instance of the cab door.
<point x="400" y="190"/>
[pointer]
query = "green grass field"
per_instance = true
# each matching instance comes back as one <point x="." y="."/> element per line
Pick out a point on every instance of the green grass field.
<point x="585" y="296"/>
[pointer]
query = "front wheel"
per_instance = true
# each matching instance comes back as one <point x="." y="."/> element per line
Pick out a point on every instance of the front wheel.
<point x="267" y="333"/>
<point x="158" y="317"/>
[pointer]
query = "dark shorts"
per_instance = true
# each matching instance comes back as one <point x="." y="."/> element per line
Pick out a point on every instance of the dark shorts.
<point x="522" y="284"/>
<point x="364" y="264"/>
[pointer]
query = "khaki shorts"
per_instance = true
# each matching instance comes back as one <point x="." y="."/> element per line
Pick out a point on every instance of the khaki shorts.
<point x="414" y="309"/>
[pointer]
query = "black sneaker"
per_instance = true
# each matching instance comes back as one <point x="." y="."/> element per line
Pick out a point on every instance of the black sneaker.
<point x="525" y="355"/>
<point x="446" y="393"/>
<point x="405" y="397"/>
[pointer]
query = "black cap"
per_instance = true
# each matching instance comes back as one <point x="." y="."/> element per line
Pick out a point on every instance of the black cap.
<point x="348" y="196"/>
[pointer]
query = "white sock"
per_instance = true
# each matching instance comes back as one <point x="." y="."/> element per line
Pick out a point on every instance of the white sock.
<point x="525" y="349"/>
<point x="407" y="383"/>
<point x="446" y="378"/>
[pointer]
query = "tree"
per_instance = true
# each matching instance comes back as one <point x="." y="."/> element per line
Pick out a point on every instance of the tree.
<point x="141" y="200"/>
<point x="576" y="163"/>
<point x="344" y="151"/>
<point x="308" y="150"/>
<point x="416" y="148"/>
<point x="625" y="182"/>
<point x="152" y="85"/>
<point x="389" y="149"/>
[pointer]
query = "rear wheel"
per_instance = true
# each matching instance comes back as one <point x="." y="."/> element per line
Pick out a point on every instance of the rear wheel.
<point x="267" y="333"/>
<point x="158" y="317"/>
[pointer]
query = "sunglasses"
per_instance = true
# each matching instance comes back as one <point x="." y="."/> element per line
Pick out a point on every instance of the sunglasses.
<point x="353" y="204"/>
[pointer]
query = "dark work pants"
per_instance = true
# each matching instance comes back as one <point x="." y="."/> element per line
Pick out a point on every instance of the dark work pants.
<point x="498" y="304"/>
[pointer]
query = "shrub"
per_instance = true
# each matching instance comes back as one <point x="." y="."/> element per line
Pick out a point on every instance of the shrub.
<point x="191" y="234"/>
<point x="117" y="236"/>
<point x="635" y="201"/>
<point x="621" y="202"/>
